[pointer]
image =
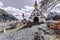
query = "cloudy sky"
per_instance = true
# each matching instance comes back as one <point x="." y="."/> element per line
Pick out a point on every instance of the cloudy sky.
<point x="17" y="7"/>
<point x="18" y="3"/>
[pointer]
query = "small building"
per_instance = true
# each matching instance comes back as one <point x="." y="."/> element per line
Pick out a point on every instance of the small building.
<point x="36" y="15"/>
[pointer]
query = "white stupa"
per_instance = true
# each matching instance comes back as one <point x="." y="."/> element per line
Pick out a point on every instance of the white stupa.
<point x="36" y="15"/>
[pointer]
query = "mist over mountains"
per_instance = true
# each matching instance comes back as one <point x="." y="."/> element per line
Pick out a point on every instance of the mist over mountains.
<point x="17" y="12"/>
<point x="27" y="11"/>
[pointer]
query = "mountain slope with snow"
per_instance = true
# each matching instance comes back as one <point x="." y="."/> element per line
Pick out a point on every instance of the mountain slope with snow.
<point x="6" y="16"/>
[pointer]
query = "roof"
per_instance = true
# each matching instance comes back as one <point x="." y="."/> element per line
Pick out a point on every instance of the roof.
<point x="39" y="11"/>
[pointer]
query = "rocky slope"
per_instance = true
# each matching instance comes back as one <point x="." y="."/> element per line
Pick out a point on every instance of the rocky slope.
<point x="50" y="9"/>
<point x="38" y="32"/>
<point x="6" y="16"/>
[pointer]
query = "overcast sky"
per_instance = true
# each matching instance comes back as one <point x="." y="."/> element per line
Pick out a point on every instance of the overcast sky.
<point x="17" y="3"/>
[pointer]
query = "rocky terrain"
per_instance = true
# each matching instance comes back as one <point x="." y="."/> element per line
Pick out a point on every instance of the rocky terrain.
<point x="38" y="32"/>
<point x="35" y="32"/>
<point x="53" y="16"/>
<point x="4" y="16"/>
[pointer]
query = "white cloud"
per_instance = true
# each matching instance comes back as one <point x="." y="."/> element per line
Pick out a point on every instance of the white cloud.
<point x="27" y="11"/>
<point x="1" y="4"/>
<point x="16" y="12"/>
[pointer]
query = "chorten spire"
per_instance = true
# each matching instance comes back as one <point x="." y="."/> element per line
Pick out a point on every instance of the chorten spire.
<point x="36" y="5"/>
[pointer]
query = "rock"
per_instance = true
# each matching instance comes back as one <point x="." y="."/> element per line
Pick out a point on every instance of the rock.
<point x="32" y="33"/>
<point x="4" y="16"/>
<point x="52" y="15"/>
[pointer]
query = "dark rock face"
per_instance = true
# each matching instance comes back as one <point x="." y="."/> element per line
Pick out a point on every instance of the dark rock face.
<point x="36" y="37"/>
<point x="6" y="16"/>
<point x="45" y="2"/>
<point x="53" y="16"/>
<point x="38" y="32"/>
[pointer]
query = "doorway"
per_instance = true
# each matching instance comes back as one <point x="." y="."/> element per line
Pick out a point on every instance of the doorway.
<point x="36" y="19"/>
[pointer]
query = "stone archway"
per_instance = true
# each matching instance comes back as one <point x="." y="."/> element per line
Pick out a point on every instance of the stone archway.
<point x="36" y="19"/>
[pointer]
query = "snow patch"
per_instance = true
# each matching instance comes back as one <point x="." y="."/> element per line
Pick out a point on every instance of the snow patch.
<point x="17" y="12"/>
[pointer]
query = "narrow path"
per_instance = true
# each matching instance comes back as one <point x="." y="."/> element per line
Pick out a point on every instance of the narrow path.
<point x="29" y="25"/>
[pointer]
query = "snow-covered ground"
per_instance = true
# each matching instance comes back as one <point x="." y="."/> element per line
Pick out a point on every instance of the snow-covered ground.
<point x="24" y="34"/>
<point x="29" y="34"/>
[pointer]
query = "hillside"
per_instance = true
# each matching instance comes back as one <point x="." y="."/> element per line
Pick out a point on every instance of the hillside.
<point x="4" y="16"/>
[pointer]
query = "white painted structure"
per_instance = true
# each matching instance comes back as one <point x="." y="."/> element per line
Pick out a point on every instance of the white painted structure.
<point x="36" y="15"/>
